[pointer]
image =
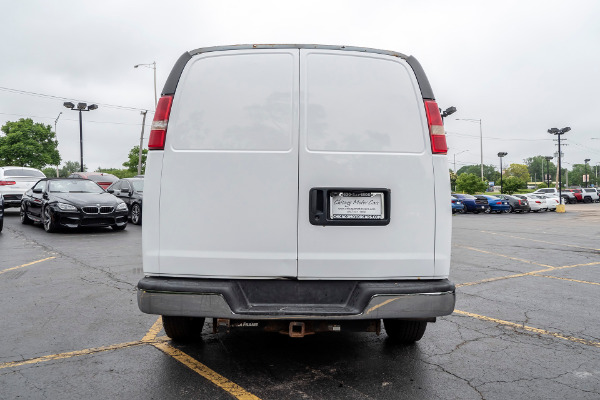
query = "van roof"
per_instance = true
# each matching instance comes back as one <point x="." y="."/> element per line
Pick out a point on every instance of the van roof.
<point x="173" y="79"/>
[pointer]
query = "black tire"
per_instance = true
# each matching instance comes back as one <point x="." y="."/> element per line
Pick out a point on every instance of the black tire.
<point x="587" y="200"/>
<point x="136" y="214"/>
<point x="49" y="223"/>
<point x="118" y="228"/>
<point x="475" y="212"/>
<point x="1" y="224"/>
<point x="405" y="332"/>
<point x="183" y="329"/>
<point x="25" y="220"/>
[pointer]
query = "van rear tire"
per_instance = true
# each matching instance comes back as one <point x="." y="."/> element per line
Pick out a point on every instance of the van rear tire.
<point x="182" y="329"/>
<point x="405" y="332"/>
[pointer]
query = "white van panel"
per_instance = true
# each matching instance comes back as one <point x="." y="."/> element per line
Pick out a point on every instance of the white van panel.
<point x="443" y="220"/>
<point x="390" y="155"/>
<point x="150" y="226"/>
<point x="231" y="155"/>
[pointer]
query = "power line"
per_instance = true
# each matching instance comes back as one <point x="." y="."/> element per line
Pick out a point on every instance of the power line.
<point x="494" y="138"/>
<point x="24" y="92"/>
<point x="74" y="120"/>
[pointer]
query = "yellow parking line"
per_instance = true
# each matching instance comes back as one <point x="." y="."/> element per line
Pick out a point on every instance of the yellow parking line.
<point x="529" y="328"/>
<point x="69" y="354"/>
<point x="237" y="391"/>
<point x="540" y="241"/>
<point x="26" y="265"/>
<point x="566" y="279"/>
<point x="151" y="335"/>
<point x="505" y="256"/>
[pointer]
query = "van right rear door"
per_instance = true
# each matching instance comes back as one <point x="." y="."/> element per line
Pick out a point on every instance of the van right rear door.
<point x="363" y="131"/>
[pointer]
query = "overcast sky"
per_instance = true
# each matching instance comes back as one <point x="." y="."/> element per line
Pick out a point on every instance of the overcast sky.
<point x="520" y="66"/>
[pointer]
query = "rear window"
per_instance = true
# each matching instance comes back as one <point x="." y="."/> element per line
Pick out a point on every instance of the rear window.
<point x="361" y="103"/>
<point x="103" y="178"/>
<point x="24" y="172"/>
<point x="235" y="102"/>
<point x="138" y="185"/>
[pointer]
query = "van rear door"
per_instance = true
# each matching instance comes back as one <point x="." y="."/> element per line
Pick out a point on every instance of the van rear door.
<point x="229" y="191"/>
<point x="363" y="132"/>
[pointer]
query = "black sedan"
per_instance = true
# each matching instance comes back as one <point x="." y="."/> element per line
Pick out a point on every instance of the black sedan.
<point x="131" y="191"/>
<point x="72" y="203"/>
<point x="516" y="204"/>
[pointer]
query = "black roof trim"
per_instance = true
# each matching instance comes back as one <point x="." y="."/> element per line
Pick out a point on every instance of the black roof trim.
<point x="424" y="85"/>
<point x="173" y="79"/>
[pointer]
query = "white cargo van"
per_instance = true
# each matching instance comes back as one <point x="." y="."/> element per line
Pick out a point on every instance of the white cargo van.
<point x="297" y="188"/>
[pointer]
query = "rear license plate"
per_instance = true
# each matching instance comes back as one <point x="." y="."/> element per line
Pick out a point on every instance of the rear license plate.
<point x="356" y="205"/>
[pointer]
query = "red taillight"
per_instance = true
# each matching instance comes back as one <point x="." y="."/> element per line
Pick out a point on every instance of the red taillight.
<point x="436" y="128"/>
<point x="158" y="131"/>
<point x="498" y="202"/>
<point x="6" y="183"/>
<point x="539" y="202"/>
<point x="519" y="202"/>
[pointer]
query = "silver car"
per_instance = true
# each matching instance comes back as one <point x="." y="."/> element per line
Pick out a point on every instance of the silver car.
<point x="14" y="181"/>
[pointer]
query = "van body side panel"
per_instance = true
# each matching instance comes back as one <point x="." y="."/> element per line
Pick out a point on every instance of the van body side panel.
<point x="230" y="167"/>
<point x="151" y="225"/>
<point x="363" y="125"/>
<point x="443" y="217"/>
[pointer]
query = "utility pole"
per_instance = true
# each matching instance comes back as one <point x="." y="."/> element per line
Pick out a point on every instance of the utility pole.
<point x="559" y="133"/>
<point x="55" y="134"/>
<point x="141" y="142"/>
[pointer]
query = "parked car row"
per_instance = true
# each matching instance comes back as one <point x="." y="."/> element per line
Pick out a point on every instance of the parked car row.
<point x="540" y="200"/>
<point x="82" y="199"/>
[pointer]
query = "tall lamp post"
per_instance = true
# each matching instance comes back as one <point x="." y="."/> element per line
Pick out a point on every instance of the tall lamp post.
<point x="587" y="177"/>
<point x="501" y="154"/>
<point x="548" y="158"/>
<point x="480" y="138"/>
<point x="455" y="154"/>
<point x="55" y="122"/>
<point x="559" y="133"/>
<point x="153" y="66"/>
<point x="80" y="107"/>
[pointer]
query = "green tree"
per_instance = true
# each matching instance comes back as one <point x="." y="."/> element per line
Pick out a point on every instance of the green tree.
<point x="453" y="177"/>
<point x="27" y="144"/>
<point x="50" y="172"/>
<point x="69" y="168"/>
<point x="134" y="157"/>
<point x="511" y="184"/>
<point x="538" y="167"/>
<point x="470" y="183"/>
<point x="119" y="173"/>
<point x="489" y="171"/>
<point x="519" y="171"/>
<point x="576" y="175"/>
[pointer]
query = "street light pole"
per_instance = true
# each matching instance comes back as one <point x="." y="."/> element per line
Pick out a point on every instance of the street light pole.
<point x="559" y="133"/>
<point x="141" y="142"/>
<point x="153" y="66"/>
<point x="501" y="155"/>
<point x="587" y="177"/>
<point x="455" y="154"/>
<point x="55" y="134"/>
<point x="480" y="138"/>
<point x="80" y="107"/>
<point x="548" y="158"/>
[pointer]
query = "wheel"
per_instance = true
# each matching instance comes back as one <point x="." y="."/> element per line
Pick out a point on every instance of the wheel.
<point x="50" y="224"/>
<point x="587" y="200"/>
<point x="136" y="214"/>
<point x="118" y="228"/>
<point x="183" y="329"/>
<point x="24" y="218"/>
<point x="512" y="209"/>
<point x="406" y="332"/>
<point x="1" y="224"/>
<point x="535" y="211"/>
<point x="487" y="210"/>
<point x="463" y="211"/>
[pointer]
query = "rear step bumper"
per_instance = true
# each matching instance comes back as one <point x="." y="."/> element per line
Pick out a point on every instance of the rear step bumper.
<point x="293" y="299"/>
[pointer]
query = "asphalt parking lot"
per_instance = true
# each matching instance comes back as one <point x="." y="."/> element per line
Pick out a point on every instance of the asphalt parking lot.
<point x="526" y="325"/>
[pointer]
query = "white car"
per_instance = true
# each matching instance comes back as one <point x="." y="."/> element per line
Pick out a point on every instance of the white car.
<point x="551" y="201"/>
<point x="14" y="181"/>
<point x="537" y="202"/>
<point x="589" y="195"/>
<point x="296" y="162"/>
